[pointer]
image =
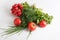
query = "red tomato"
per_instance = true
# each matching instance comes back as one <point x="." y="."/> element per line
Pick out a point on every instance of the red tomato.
<point x="17" y="21"/>
<point x="32" y="26"/>
<point x="42" y="23"/>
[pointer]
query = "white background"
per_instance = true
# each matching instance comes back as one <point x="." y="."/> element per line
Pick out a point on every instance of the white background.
<point x="51" y="32"/>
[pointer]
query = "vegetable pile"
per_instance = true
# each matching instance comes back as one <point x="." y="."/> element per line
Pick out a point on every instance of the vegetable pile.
<point x="29" y="17"/>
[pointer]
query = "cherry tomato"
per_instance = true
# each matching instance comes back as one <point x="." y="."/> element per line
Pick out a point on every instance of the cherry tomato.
<point x="17" y="9"/>
<point x="17" y="21"/>
<point x="20" y="6"/>
<point x="32" y="26"/>
<point x="42" y="23"/>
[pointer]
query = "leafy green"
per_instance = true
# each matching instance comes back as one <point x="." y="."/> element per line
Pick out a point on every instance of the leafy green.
<point x="31" y="13"/>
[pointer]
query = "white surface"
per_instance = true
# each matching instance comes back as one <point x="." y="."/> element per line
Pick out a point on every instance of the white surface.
<point x="51" y="32"/>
